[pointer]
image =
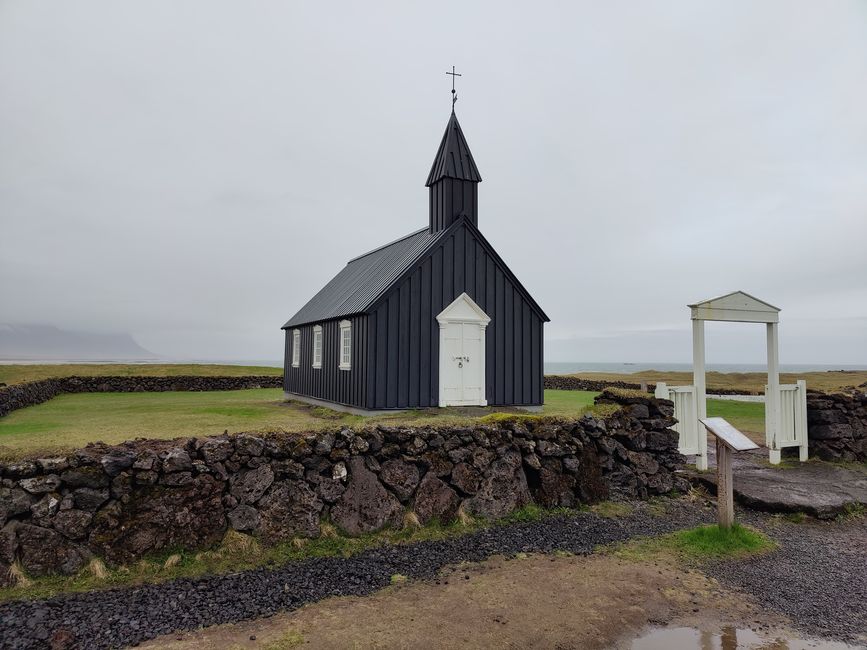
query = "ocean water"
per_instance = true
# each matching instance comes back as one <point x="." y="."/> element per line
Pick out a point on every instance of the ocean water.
<point x="551" y="367"/>
<point x="569" y="367"/>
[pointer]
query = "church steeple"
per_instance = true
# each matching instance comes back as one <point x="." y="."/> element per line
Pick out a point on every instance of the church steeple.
<point x="453" y="180"/>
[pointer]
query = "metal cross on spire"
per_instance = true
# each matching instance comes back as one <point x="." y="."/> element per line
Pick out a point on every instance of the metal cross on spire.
<point x="454" y="94"/>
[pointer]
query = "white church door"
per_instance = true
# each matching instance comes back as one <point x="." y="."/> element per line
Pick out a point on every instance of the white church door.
<point x="462" y="353"/>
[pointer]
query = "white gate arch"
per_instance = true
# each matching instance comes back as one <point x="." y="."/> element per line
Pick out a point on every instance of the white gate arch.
<point x="785" y="406"/>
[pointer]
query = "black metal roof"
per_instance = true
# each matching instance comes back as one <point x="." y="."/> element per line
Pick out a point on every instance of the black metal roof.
<point x="453" y="159"/>
<point x="364" y="279"/>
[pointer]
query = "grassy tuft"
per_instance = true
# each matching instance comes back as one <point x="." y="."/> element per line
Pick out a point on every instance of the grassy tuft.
<point x="97" y="569"/>
<point x="612" y="509"/>
<point x="700" y="543"/>
<point x="398" y="578"/>
<point x="290" y="639"/>
<point x="18" y="577"/>
<point x="465" y="519"/>
<point x="411" y="520"/>
<point x="713" y="541"/>
<point x="172" y="561"/>
<point x="852" y="511"/>
<point x="795" y="517"/>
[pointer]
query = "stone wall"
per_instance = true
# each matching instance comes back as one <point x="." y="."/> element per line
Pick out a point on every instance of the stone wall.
<point x="837" y="425"/>
<point x="31" y="393"/>
<point x="569" y="382"/>
<point x="122" y="502"/>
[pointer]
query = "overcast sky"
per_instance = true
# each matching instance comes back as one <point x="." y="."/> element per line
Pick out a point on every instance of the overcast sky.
<point x="193" y="172"/>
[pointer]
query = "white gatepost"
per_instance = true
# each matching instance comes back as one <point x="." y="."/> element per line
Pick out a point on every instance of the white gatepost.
<point x="698" y="380"/>
<point x="772" y="395"/>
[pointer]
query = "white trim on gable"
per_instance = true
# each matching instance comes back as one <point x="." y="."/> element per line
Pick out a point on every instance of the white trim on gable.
<point x="463" y="309"/>
<point x="737" y="306"/>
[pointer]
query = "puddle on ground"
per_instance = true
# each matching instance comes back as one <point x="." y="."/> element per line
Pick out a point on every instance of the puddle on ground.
<point x="688" y="638"/>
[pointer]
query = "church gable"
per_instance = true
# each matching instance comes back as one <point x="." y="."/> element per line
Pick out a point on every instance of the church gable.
<point x="403" y="333"/>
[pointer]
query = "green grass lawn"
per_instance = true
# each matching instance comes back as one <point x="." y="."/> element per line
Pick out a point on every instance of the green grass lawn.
<point x="15" y="373"/>
<point x="71" y="421"/>
<point x="749" y="417"/>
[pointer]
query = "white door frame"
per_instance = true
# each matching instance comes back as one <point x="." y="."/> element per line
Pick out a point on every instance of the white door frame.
<point x="464" y="310"/>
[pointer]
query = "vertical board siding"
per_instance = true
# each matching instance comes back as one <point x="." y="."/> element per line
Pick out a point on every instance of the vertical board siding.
<point x="403" y="333"/>
<point x="329" y="383"/>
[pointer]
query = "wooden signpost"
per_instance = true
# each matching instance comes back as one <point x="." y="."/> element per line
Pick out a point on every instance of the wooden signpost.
<point x="728" y="439"/>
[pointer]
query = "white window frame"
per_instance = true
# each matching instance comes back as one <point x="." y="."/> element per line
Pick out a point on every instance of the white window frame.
<point x="317" y="346"/>
<point x="345" y="351"/>
<point x="296" y="348"/>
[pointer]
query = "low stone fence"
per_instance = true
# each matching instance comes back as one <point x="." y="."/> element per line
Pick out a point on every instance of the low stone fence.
<point x="837" y="425"/>
<point x="122" y="502"/>
<point x="568" y="382"/>
<point x="31" y="393"/>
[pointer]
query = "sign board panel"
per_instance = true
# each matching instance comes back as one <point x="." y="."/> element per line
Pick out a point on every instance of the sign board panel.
<point x="730" y="437"/>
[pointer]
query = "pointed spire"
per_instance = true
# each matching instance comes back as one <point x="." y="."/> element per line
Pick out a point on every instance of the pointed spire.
<point x="453" y="159"/>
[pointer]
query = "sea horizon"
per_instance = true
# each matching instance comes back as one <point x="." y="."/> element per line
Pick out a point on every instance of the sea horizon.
<point x="550" y="367"/>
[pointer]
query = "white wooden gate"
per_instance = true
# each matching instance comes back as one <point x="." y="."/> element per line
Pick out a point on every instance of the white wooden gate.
<point x="685" y="412"/>
<point x="791" y="419"/>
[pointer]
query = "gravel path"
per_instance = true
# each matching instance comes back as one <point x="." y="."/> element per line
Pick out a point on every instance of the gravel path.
<point x="122" y="617"/>
<point x="818" y="579"/>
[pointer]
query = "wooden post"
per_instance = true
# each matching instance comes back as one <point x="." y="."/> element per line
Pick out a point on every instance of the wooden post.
<point x="725" y="490"/>
<point x="698" y="380"/>
<point x="728" y="441"/>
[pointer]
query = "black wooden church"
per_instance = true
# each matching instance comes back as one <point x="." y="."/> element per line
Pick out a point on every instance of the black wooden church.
<point x="435" y="318"/>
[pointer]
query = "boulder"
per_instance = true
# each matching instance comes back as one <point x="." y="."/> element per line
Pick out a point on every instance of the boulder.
<point x="249" y="485"/>
<point x="8" y="543"/>
<point x="329" y="489"/>
<point x="555" y="489"/>
<point x="89" y="499"/>
<point x="244" y="518"/>
<point x="289" y="509"/>
<point x="92" y="477"/>
<point x="40" y="484"/>
<point x="366" y="505"/>
<point x="13" y="501"/>
<point x="177" y="460"/>
<point x="503" y="490"/>
<point x="400" y="476"/>
<point x="53" y="465"/>
<point x="156" y="517"/>
<point x="249" y="445"/>
<point x="215" y="450"/>
<point x="116" y="461"/>
<point x="43" y="551"/>
<point x="72" y="523"/>
<point x="434" y="499"/>
<point x="466" y="478"/>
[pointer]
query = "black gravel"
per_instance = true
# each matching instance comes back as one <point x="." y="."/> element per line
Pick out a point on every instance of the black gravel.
<point x="125" y="617"/>
<point x="818" y="578"/>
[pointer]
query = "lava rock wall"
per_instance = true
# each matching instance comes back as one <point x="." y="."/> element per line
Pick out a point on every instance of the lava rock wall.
<point x="122" y="502"/>
<point x="569" y="382"/>
<point x="837" y="425"/>
<point x="31" y="393"/>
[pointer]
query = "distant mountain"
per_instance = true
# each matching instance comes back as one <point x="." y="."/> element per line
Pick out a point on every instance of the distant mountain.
<point x="50" y="343"/>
